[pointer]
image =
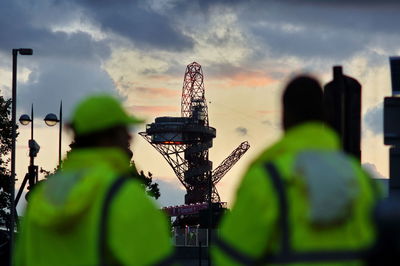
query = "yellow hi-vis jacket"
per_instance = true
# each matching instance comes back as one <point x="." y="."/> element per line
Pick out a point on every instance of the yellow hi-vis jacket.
<point x="69" y="222"/>
<point x="302" y="202"/>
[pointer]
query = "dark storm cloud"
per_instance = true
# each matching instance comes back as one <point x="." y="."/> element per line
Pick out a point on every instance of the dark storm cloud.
<point x="68" y="66"/>
<point x="18" y="28"/>
<point x="66" y="81"/>
<point x="136" y="21"/>
<point x="64" y="66"/>
<point x="207" y="4"/>
<point x="30" y="25"/>
<point x="309" y="43"/>
<point x="359" y="3"/>
<point x="321" y="31"/>
<point x="373" y="119"/>
<point x="363" y="19"/>
<point x="328" y="30"/>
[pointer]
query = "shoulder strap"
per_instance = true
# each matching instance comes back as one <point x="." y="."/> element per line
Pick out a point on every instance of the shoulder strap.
<point x="287" y="255"/>
<point x="103" y="233"/>
<point x="283" y="219"/>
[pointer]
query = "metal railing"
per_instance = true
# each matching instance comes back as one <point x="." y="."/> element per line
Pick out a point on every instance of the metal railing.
<point x="190" y="236"/>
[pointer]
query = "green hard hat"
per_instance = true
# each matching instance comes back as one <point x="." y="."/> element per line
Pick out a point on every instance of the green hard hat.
<point x="100" y="112"/>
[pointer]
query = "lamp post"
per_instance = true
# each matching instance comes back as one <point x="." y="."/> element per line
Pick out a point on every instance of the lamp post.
<point x="51" y="120"/>
<point x="15" y="52"/>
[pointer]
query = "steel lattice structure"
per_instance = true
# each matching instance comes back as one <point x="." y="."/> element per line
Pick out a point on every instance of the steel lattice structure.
<point x="193" y="101"/>
<point x="185" y="141"/>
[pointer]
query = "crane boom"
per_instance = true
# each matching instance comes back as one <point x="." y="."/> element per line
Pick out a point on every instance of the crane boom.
<point x="229" y="162"/>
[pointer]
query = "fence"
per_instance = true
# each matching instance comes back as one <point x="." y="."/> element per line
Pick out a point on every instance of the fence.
<point x="190" y="236"/>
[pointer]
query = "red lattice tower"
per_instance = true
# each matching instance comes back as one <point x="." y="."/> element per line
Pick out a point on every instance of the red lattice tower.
<point x="185" y="141"/>
<point x="193" y="92"/>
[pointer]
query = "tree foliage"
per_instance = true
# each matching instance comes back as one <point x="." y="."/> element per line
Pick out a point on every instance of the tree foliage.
<point x="5" y="150"/>
<point x="151" y="187"/>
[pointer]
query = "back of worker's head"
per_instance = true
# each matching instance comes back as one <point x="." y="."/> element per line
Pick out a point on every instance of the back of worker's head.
<point x="100" y="120"/>
<point x="302" y="102"/>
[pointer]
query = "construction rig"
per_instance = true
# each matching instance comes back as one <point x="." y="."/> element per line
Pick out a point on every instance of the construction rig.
<point x="185" y="141"/>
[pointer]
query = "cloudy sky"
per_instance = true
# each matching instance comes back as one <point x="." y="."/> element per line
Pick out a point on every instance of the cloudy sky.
<point x="138" y="50"/>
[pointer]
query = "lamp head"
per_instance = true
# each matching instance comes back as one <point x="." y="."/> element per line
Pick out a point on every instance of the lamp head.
<point x="51" y="119"/>
<point x="25" y="119"/>
<point x="25" y="51"/>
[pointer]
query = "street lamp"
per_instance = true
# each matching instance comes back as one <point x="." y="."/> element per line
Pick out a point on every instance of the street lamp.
<point x="25" y="120"/>
<point x="15" y="52"/>
<point x="51" y="120"/>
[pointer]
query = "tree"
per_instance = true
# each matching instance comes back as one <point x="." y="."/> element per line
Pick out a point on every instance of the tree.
<point x="151" y="188"/>
<point x="5" y="149"/>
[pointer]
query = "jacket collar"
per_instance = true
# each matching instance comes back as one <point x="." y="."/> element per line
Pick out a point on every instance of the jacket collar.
<point x="311" y="135"/>
<point x="83" y="158"/>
